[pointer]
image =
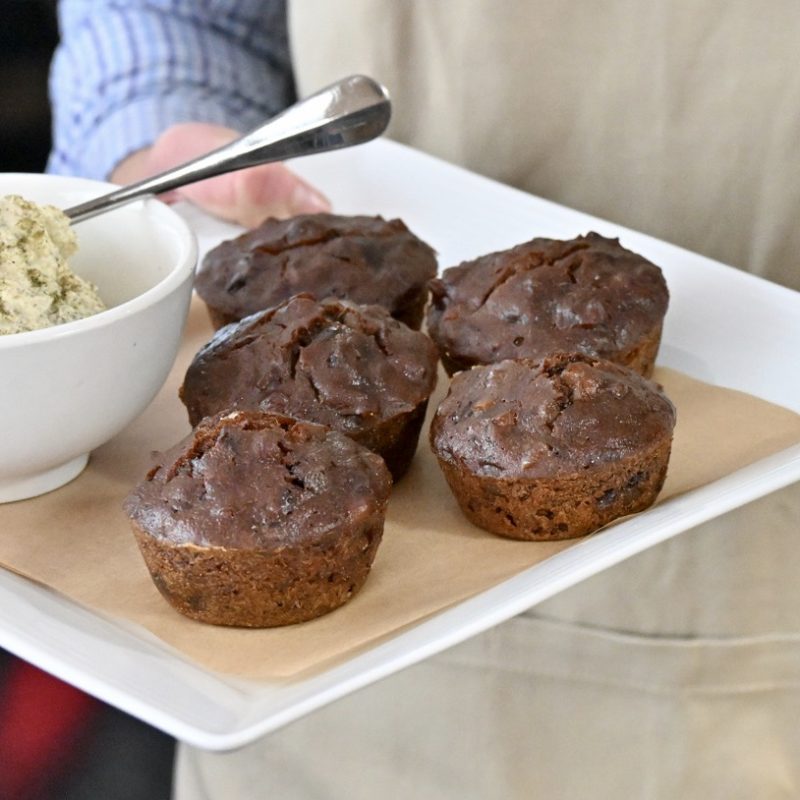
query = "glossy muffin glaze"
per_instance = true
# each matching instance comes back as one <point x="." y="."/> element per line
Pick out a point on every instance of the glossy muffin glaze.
<point x="358" y="258"/>
<point x="588" y="295"/>
<point x="352" y="368"/>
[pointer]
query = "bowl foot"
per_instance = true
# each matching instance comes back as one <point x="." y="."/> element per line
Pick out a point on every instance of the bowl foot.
<point x="32" y="485"/>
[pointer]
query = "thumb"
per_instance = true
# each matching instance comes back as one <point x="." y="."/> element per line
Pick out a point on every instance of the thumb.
<point x="247" y="196"/>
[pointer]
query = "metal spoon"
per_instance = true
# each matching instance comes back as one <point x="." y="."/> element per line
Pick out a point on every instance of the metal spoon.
<point x="351" y="111"/>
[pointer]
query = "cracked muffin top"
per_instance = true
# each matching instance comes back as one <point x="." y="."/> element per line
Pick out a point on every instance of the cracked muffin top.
<point x="358" y="258"/>
<point x="554" y="418"/>
<point x="587" y="295"/>
<point x="261" y="481"/>
<point x="332" y="362"/>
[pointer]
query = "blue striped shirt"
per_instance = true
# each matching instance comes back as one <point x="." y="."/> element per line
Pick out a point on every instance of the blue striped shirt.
<point x="127" y="69"/>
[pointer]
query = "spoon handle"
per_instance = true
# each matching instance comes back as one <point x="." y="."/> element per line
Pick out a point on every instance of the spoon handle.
<point x="351" y="111"/>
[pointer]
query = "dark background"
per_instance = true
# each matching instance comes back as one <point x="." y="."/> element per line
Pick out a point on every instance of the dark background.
<point x="86" y="750"/>
<point x="28" y="35"/>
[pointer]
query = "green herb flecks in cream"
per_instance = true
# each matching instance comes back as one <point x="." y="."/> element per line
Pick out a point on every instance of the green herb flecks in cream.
<point x="37" y="287"/>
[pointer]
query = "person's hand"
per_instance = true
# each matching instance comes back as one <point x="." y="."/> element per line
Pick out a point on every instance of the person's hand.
<point x="248" y="196"/>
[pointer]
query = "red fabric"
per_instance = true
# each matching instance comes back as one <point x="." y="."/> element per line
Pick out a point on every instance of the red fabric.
<point x="42" y="720"/>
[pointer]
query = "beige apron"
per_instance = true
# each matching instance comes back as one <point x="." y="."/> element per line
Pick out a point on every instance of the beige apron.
<point x="676" y="674"/>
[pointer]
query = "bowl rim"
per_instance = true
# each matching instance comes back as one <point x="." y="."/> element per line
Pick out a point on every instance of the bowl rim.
<point x="184" y="268"/>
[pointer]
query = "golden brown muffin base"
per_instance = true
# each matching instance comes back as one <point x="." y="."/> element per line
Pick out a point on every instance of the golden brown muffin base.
<point x="395" y="440"/>
<point x="565" y="507"/>
<point x="410" y="309"/>
<point x="219" y="319"/>
<point x="641" y="357"/>
<point x="260" y="589"/>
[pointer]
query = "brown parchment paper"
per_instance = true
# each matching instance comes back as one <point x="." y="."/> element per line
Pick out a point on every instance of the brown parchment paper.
<point x="77" y="541"/>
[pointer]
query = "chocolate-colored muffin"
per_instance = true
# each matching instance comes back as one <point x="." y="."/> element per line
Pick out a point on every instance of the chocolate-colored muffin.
<point x="259" y="520"/>
<point x="352" y="368"/>
<point x="362" y="259"/>
<point x="588" y="295"/>
<point x="552" y="450"/>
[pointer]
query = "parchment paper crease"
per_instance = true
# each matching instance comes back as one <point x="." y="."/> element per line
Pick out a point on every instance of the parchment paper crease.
<point x="77" y="541"/>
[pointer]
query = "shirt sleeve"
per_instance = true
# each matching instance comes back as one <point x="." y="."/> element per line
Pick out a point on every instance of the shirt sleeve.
<point x="125" y="70"/>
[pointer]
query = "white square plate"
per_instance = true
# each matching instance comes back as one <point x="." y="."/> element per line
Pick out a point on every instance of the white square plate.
<point x="723" y="327"/>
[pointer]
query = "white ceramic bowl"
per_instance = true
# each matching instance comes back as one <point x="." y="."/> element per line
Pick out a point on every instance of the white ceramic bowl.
<point x="67" y="389"/>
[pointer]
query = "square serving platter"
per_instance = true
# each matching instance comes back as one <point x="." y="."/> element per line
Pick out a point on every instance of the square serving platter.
<point x="724" y="327"/>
